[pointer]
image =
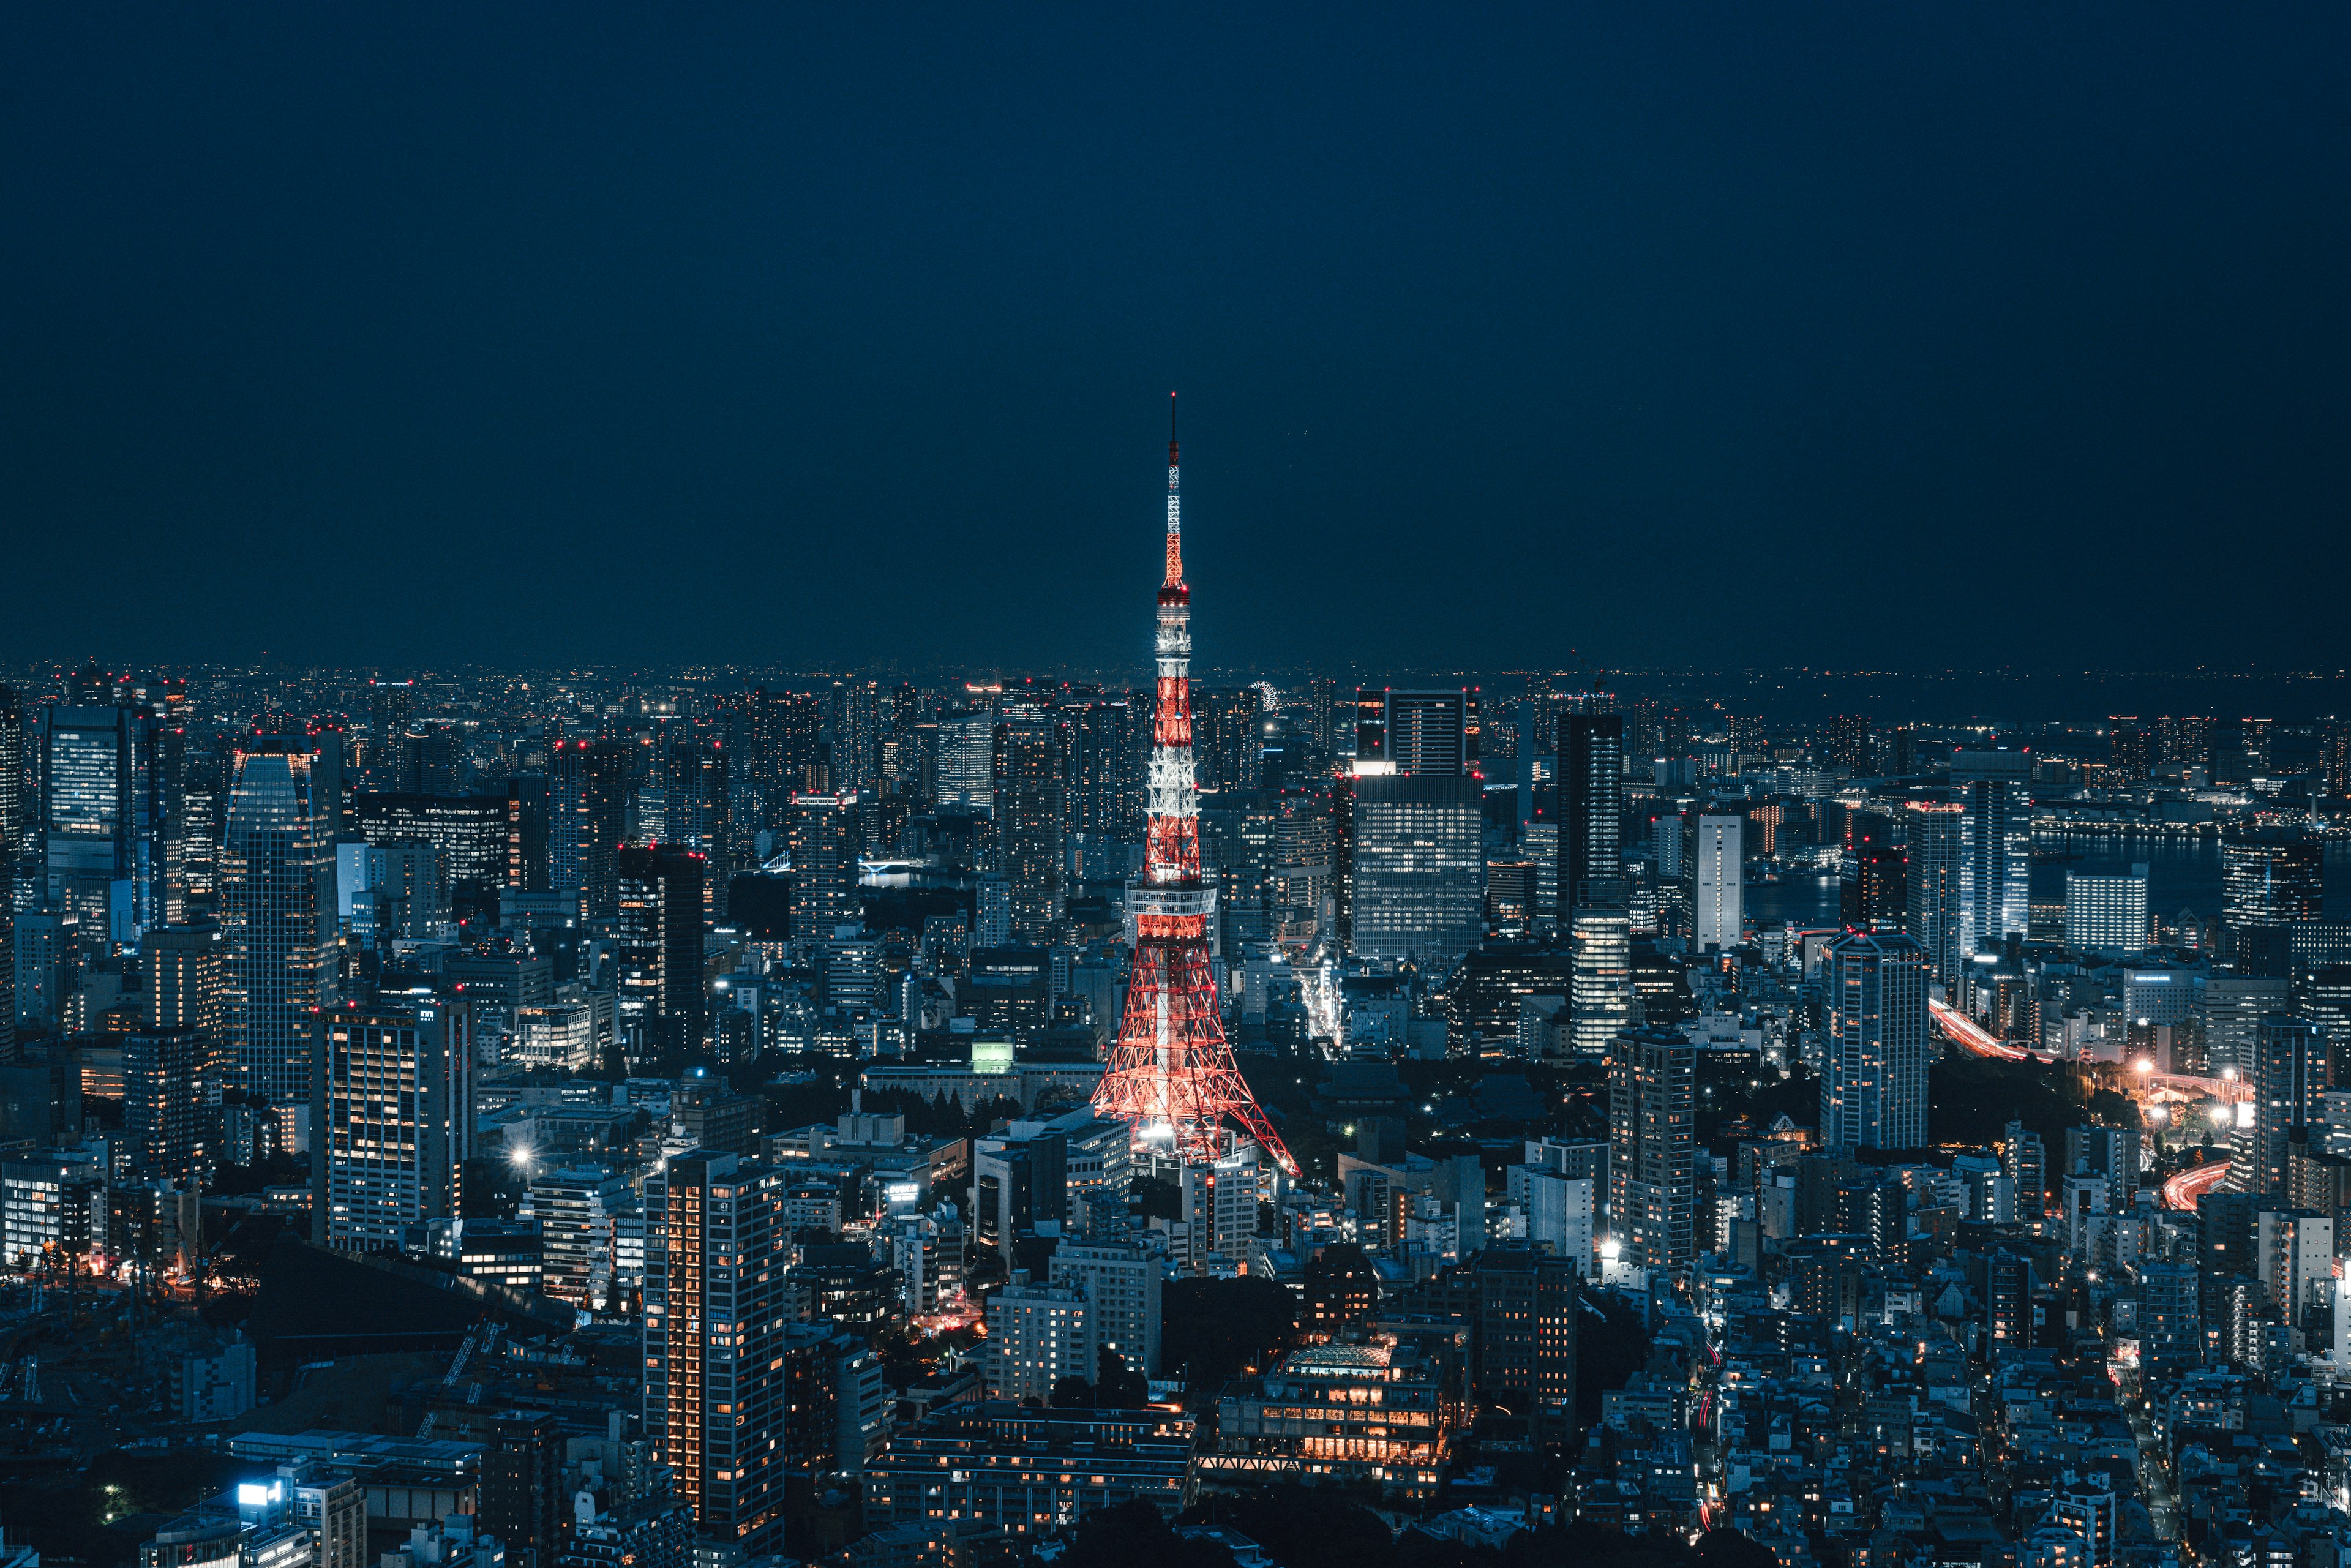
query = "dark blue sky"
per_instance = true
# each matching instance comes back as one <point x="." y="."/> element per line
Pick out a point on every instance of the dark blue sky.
<point x="1887" y="335"/>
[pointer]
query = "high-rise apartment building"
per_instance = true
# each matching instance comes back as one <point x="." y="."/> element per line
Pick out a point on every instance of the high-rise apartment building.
<point x="659" y="942"/>
<point x="2107" y="913"/>
<point x="783" y="744"/>
<point x="1932" y="916"/>
<point x="1030" y="813"/>
<point x="162" y="1102"/>
<point x="277" y="907"/>
<point x="395" y="1122"/>
<point x="184" y="973"/>
<point x="587" y="808"/>
<point x="1418" y="732"/>
<point x="1418" y="878"/>
<point x="1714" y="872"/>
<point x="391" y="709"/>
<point x="822" y="836"/>
<point x="1527" y="1306"/>
<point x="716" y="1379"/>
<point x="1103" y="742"/>
<point x="1652" y="1126"/>
<point x="1850" y="745"/>
<point x="1874" y="1048"/>
<point x="1995" y="886"/>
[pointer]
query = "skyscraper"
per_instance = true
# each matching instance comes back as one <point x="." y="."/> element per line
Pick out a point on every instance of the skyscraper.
<point x="277" y="903"/>
<point x="2107" y="913"/>
<point x="702" y="813"/>
<point x="394" y="1122"/>
<point x="1417" y="881"/>
<point x="822" y="836"/>
<point x="161" y="1102"/>
<point x="185" y="969"/>
<point x="784" y="742"/>
<point x="1995" y="874"/>
<point x="1850" y="743"/>
<point x="1933" y="874"/>
<point x="1875" y="1047"/>
<point x="660" y="946"/>
<point x="966" y="754"/>
<point x="715" y="1248"/>
<point x="1652" y="1130"/>
<point x="2289" y="1073"/>
<point x="110" y="820"/>
<point x="1600" y="980"/>
<point x="1591" y="798"/>
<point x="1418" y="732"/>
<point x="1715" y="874"/>
<point x="391" y="708"/>
<point x="1029" y="818"/>
<point x="1104" y="745"/>
<point x="2269" y="879"/>
<point x="587" y="796"/>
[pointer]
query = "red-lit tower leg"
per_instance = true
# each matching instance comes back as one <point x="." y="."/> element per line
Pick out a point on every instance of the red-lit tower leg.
<point x="1171" y="1076"/>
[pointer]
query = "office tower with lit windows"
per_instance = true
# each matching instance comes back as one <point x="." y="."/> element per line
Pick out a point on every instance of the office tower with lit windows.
<point x="822" y="835"/>
<point x="1600" y="982"/>
<point x="1413" y="733"/>
<point x="12" y="773"/>
<point x="1933" y="830"/>
<point x="1030" y="813"/>
<point x="468" y="834"/>
<point x="1875" y="1048"/>
<point x="1713" y="870"/>
<point x="715" y="1377"/>
<point x="110" y="818"/>
<point x="1995" y="886"/>
<point x="586" y="806"/>
<point x="2107" y="913"/>
<point x="2289" y="1073"/>
<point x="277" y="909"/>
<point x="2269" y="879"/>
<point x="1418" y="878"/>
<point x="1323" y="714"/>
<point x="964" y="770"/>
<point x="1527" y="1306"/>
<point x="658" y="940"/>
<point x="396" y="1124"/>
<point x="1652" y="1131"/>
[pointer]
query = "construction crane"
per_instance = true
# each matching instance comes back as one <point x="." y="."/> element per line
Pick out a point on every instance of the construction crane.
<point x="479" y="1338"/>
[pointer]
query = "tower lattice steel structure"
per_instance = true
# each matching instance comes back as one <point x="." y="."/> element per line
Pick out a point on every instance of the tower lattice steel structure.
<point x="1171" y="1074"/>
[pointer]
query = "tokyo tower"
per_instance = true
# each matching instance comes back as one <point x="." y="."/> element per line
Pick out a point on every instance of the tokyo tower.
<point x="1171" y="1075"/>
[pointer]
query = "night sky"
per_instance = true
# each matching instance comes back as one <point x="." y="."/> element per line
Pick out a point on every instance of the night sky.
<point x="1899" y="336"/>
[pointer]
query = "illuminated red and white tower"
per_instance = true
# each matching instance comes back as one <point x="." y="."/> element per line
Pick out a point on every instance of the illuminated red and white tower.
<point x="1171" y="1076"/>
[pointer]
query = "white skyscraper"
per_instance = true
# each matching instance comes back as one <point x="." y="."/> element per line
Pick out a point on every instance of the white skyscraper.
<point x="2107" y="913"/>
<point x="1718" y="915"/>
<point x="1995" y="881"/>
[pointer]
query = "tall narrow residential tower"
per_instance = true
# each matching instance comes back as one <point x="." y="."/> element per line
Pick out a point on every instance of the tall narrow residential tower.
<point x="1171" y="1077"/>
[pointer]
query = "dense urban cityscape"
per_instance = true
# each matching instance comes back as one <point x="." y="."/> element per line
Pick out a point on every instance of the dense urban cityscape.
<point x="585" y="1120"/>
<point x="1677" y="895"/>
